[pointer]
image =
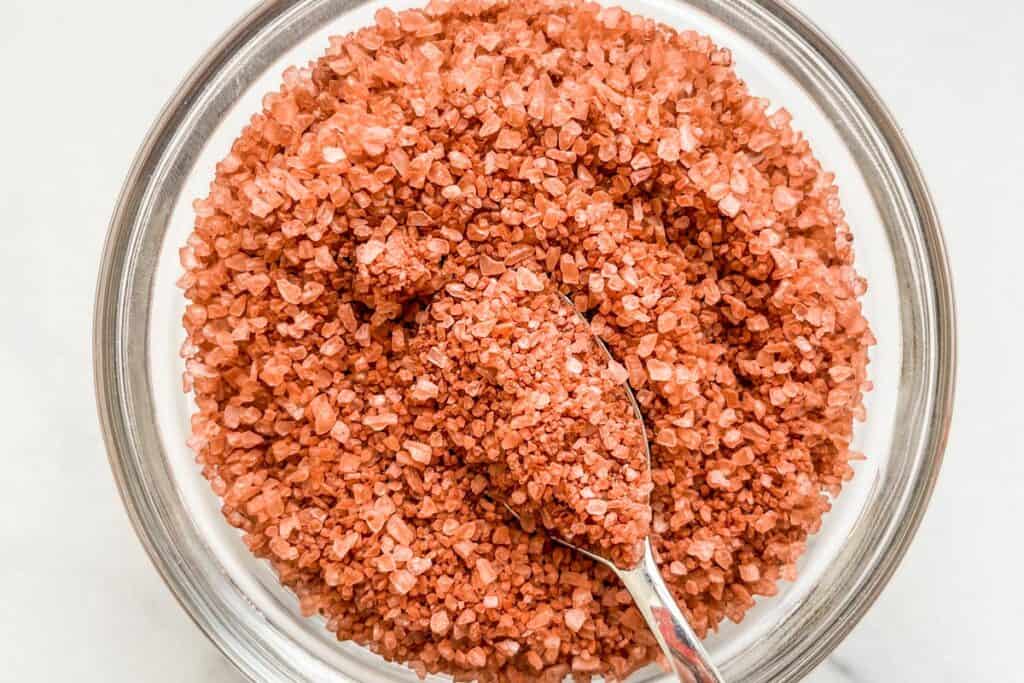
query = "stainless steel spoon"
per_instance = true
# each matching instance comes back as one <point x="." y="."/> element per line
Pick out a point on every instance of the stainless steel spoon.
<point x="683" y="649"/>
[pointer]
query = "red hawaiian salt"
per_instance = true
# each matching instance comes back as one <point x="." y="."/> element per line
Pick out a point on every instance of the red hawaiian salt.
<point x="548" y="145"/>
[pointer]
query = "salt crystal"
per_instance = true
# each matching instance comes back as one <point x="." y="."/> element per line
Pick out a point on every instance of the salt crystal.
<point x="702" y="550"/>
<point x="784" y="199"/>
<point x="508" y="139"/>
<point x="574" y="619"/>
<point x="718" y="479"/>
<point x="618" y="372"/>
<point x="730" y="205"/>
<point x="420" y="452"/>
<point x="528" y="281"/>
<point x="380" y="422"/>
<point x="333" y="155"/>
<point x="290" y="292"/>
<point x="485" y="571"/>
<point x="324" y="414"/>
<point x="368" y="252"/>
<point x="749" y="573"/>
<point x="343" y="546"/>
<point x="490" y="267"/>
<point x="659" y="371"/>
<point x="402" y="581"/>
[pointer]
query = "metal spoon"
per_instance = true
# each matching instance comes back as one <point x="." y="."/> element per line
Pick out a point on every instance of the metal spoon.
<point x="683" y="649"/>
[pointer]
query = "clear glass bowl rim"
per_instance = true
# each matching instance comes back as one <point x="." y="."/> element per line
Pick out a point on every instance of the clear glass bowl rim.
<point x="136" y="230"/>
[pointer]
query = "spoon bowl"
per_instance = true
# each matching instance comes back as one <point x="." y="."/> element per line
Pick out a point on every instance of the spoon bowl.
<point x="683" y="650"/>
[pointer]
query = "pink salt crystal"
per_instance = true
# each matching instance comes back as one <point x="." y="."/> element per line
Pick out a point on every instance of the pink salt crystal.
<point x="440" y="623"/>
<point x="508" y="139"/>
<point x="400" y="531"/>
<point x="402" y="581"/>
<point x="419" y="565"/>
<point x="324" y="414"/>
<point x="840" y="373"/>
<point x="476" y="657"/>
<point x="260" y="207"/>
<point x="402" y="554"/>
<point x="290" y="292"/>
<point x="574" y="619"/>
<point x="573" y="365"/>
<point x="464" y="549"/>
<point x="617" y="371"/>
<point x="597" y="507"/>
<point x="508" y="647"/>
<point x="342" y="546"/>
<point x="420" y="452"/>
<point x="528" y="281"/>
<point x="486" y="571"/>
<point x="380" y="422"/>
<point x="367" y="252"/>
<point x="718" y="479"/>
<point x="749" y="573"/>
<point x="667" y="322"/>
<point x="666" y="436"/>
<point x="702" y="550"/>
<point x="375" y="139"/>
<point x="730" y="205"/>
<point x="490" y="267"/>
<point x="333" y="155"/>
<point x="459" y="160"/>
<point x="784" y="199"/>
<point x="424" y="390"/>
<point x="659" y="371"/>
<point x="540" y="619"/>
<point x="640" y="160"/>
<point x="570" y="272"/>
<point x="687" y="139"/>
<point x="585" y="664"/>
<point x="668" y="146"/>
<point x="282" y="549"/>
<point x="491" y="602"/>
<point x="385" y="564"/>
<point x="553" y="186"/>
<point x="647" y="345"/>
<point x="765" y="522"/>
<point x="340" y="432"/>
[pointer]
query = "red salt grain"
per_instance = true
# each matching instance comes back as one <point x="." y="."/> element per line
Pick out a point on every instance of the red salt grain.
<point x="420" y="452"/>
<point x="485" y="571"/>
<point x="440" y="623"/>
<point x="527" y="281"/>
<point x="368" y="207"/>
<point x="402" y="581"/>
<point x="324" y="415"/>
<point x="574" y="619"/>
<point x="400" y="531"/>
<point x="659" y="371"/>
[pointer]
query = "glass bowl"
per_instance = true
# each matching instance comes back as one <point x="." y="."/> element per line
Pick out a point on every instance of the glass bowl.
<point x="238" y="602"/>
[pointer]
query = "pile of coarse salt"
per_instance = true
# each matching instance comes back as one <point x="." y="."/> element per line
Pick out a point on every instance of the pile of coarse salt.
<point x="443" y="148"/>
<point x="520" y="388"/>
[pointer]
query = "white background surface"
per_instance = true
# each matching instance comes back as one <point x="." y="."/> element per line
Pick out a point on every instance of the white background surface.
<point x="83" y="80"/>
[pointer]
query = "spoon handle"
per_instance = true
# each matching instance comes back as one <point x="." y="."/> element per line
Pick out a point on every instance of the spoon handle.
<point x="680" y="644"/>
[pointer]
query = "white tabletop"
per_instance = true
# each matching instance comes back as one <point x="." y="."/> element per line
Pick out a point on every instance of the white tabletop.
<point x="83" y="80"/>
